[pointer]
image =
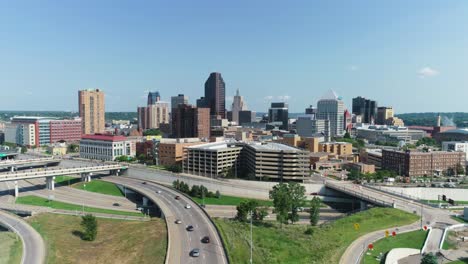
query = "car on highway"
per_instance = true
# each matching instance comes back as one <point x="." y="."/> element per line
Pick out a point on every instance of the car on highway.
<point x="205" y="239"/>
<point x="178" y="221"/>
<point x="143" y="183"/>
<point x="177" y="197"/>
<point x="116" y="204"/>
<point x="188" y="206"/>
<point x="158" y="191"/>
<point x="190" y="228"/>
<point x="195" y="252"/>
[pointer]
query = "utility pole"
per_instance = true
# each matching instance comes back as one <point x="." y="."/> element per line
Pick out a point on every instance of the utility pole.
<point x="251" y="240"/>
<point x="421" y="216"/>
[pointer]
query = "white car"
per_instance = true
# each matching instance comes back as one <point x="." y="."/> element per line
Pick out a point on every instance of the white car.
<point x="158" y="191"/>
<point x="188" y="206"/>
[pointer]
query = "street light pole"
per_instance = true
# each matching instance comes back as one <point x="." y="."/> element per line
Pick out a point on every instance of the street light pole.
<point x="251" y="240"/>
<point x="421" y="216"/>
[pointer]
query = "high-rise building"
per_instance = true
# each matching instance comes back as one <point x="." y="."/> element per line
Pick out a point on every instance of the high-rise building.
<point x="153" y="98"/>
<point x="189" y="121"/>
<point x="238" y="105"/>
<point x="384" y="113"/>
<point x="155" y="114"/>
<point x="246" y="116"/>
<point x="91" y="109"/>
<point x="215" y="95"/>
<point x="279" y="112"/>
<point x="311" y="110"/>
<point x="308" y="126"/>
<point x="366" y="108"/>
<point x="331" y="107"/>
<point x="178" y="100"/>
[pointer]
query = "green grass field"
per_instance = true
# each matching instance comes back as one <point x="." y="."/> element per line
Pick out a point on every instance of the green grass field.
<point x="11" y="248"/>
<point x="459" y="219"/>
<point x="65" y="180"/>
<point x="117" y="241"/>
<point x="38" y="201"/>
<point x="229" y="200"/>
<point x="448" y="242"/>
<point x="290" y="244"/>
<point x="413" y="239"/>
<point x="98" y="186"/>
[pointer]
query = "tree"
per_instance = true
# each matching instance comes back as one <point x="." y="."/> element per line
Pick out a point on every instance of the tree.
<point x="218" y="194"/>
<point x="315" y="210"/>
<point x="244" y="208"/>
<point x="429" y="259"/>
<point x="73" y="148"/>
<point x="24" y="149"/>
<point x="195" y="192"/>
<point x="176" y="184"/>
<point x="347" y="135"/>
<point x="89" y="223"/>
<point x="281" y="202"/>
<point x="174" y="168"/>
<point x="141" y="157"/>
<point x="460" y="169"/>
<point x="297" y="196"/>
<point x="354" y="174"/>
<point x="152" y="132"/>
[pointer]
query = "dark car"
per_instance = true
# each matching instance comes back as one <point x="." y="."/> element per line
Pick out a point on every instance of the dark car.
<point x="190" y="228"/>
<point x="143" y="183"/>
<point x="116" y="204"/>
<point x="195" y="252"/>
<point x="205" y="239"/>
<point x="177" y="197"/>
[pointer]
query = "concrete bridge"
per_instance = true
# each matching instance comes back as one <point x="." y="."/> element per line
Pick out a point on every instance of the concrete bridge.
<point x="15" y="164"/>
<point x="357" y="192"/>
<point x="49" y="174"/>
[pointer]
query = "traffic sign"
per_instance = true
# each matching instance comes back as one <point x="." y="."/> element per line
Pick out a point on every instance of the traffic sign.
<point x="387" y="233"/>
<point x="356" y="226"/>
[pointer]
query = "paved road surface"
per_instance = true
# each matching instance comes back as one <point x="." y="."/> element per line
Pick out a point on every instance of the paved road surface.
<point x="181" y="241"/>
<point x="33" y="245"/>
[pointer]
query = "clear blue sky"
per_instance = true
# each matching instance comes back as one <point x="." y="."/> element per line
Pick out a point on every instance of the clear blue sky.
<point x="412" y="55"/>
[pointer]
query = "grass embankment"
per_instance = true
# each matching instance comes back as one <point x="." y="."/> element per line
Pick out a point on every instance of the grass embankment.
<point x="65" y="180"/>
<point x="459" y="219"/>
<point x="450" y="241"/>
<point x="98" y="186"/>
<point x="230" y="200"/>
<point x="39" y="201"/>
<point x="290" y="244"/>
<point x="461" y="261"/>
<point x="117" y="241"/>
<point x="414" y="239"/>
<point x="11" y="248"/>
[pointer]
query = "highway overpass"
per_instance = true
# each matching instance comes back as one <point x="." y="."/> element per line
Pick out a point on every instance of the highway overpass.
<point x="49" y="174"/>
<point x="15" y="164"/>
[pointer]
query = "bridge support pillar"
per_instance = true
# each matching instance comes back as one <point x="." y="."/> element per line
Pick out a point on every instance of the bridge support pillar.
<point x="50" y="183"/>
<point x="363" y="205"/>
<point x="16" y="189"/>
<point x="145" y="201"/>
<point x="12" y="169"/>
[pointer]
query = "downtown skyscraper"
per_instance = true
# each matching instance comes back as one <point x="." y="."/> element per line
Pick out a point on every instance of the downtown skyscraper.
<point x="238" y="105"/>
<point x="215" y="95"/>
<point x="91" y="109"/>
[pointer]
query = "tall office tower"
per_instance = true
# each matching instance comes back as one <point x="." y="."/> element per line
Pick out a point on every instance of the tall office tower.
<point x="177" y="100"/>
<point x="331" y="107"/>
<point x="366" y="108"/>
<point x="310" y="110"/>
<point x="238" y="105"/>
<point x="189" y="121"/>
<point x="91" y="108"/>
<point x="154" y="114"/>
<point x="278" y="112"/>
<point x="215" y="95"/>
<point x="384" y="113"/>
<point x="153" y="97"/>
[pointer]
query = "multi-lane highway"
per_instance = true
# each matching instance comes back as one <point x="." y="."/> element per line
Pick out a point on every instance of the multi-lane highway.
<point x="181" y="242"/>
<point x="33" y="245"/>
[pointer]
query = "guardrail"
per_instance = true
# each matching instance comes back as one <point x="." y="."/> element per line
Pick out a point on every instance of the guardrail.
<point x="400" y="194"/>
<point x="359" y="195"/>
<point x="13" y="176"/>
<point x="21" y="161"/>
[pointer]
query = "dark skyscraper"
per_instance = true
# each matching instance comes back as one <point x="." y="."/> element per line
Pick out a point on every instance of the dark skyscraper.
<point x="365" y="108"/>
<point x="190" y="121"/>
<point x="215" y="95"/>
<point x="278" y="112"/>
<point x="153" y="97"/>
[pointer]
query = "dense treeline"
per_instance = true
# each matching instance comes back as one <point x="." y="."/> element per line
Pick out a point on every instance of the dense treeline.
<point x="430" y="119"/>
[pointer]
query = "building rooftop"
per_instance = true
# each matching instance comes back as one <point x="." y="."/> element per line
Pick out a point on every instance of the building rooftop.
<point x="457" y="131"/>
<point x="272" y="146"/>
<point x="104" y="137"/>
<point x="215" y="145"/>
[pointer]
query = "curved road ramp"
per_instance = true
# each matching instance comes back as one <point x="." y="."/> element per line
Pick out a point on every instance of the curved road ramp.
<point x="181" y="241"/>
<point x="34" y="250"/>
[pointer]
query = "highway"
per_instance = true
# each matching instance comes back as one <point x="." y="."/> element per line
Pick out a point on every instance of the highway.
<point x="34" y="250"/>
<point x="181" y="242"/>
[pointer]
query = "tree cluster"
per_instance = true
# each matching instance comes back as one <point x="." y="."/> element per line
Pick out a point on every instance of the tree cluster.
<point x="125" y="159"/>
<point x="152" y="132"/>
<point x="245" y="208"/>
<point x="198" y="191"/>
<point x="287" y="198"/>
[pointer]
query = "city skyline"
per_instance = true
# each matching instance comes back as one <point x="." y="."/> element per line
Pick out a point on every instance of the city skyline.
<point x="389" y="52"/>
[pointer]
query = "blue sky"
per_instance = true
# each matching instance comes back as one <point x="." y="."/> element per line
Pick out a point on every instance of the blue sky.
<point x="412" y="55"/>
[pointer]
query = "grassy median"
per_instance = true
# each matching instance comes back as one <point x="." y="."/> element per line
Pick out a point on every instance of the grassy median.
<point x="290" y="244"/>
<point x="414" y="239"/>
<point x="98" y="186"/>
<point x="118" y="241"/>
<point x="11" y="248"/>
<point x="39" y="201"/>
